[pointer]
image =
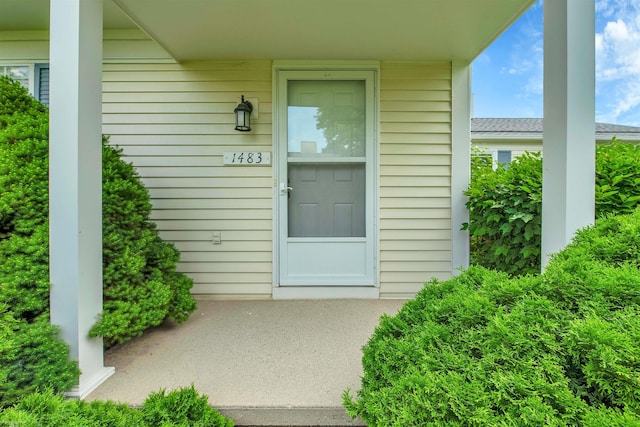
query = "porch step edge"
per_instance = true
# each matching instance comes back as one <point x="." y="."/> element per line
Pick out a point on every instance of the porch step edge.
<point x="289" y="416"/>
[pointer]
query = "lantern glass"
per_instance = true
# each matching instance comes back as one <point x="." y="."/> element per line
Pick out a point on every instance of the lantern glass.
<point x="243" y="116"/>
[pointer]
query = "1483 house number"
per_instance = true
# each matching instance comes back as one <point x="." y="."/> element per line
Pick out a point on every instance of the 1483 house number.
<point x="247" y="158"/>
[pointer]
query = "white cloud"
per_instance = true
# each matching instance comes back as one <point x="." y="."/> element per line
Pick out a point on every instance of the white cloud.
<point x="527" y="60"/>
<point x="520" y="63"/>
<point x="484" y="58"/>
<point x="618" y="60"/>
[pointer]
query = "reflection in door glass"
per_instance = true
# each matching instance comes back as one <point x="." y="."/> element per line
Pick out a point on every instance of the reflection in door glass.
<point x="326" y="118"/>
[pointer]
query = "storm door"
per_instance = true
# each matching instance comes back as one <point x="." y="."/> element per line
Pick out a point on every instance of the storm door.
<point x="326" y="204"/>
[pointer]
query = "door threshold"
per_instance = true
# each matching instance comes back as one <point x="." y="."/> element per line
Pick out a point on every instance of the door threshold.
<point x="326" y="292"/>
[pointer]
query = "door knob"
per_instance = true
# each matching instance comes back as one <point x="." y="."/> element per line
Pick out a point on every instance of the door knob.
<point x="284" y="189"/>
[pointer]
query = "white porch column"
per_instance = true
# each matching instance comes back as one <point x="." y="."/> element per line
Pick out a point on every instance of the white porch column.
<point x="460" y="162"/>
<point x="568" y="180"/>
<point x="75" y="182"/>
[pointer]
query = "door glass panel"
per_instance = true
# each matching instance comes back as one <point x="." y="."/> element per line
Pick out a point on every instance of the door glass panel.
<point x="326" y="118"/>
<point x="326" y="158"/>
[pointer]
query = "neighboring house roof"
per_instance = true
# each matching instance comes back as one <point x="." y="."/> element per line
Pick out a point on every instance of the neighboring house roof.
<point x="531" y="129"/>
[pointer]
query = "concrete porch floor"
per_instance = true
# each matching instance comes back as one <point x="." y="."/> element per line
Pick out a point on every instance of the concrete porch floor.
<point x="260" y="362"/>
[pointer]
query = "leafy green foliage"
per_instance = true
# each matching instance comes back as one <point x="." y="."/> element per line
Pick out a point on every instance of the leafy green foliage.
<point x="505" y="208"/>
<point x="484" y="349"/>
<point x="617" y="178"/>
<point x="505" y="205"/>
<point x="183" y="407"/>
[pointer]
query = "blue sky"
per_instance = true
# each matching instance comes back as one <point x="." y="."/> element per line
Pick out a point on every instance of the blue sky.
<point x="507" y="77"/>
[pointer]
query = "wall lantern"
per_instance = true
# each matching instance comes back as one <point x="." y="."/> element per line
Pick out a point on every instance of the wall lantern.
<point x="243" y="115"/>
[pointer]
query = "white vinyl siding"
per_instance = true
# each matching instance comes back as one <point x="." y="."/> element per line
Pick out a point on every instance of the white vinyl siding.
<point x="30" y="50"/>
<point x="415" y="169"/>
<point x="174" y="122"/>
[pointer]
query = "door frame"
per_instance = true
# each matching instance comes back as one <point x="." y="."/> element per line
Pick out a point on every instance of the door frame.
<point x="369" y="71"/>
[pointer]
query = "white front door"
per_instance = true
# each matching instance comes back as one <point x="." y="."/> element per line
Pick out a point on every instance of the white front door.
<point x="326" y="178"/>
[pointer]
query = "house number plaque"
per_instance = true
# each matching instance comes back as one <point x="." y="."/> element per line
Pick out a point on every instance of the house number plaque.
<point x="247" y="158"/>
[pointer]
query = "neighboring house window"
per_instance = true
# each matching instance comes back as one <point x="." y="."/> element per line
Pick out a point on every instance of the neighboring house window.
<point x="504" y="158"/>
<point x="481" y="159"/>
<point x="34" y="77"/>
<point x="41" y="83"/>
<point x="495" y="158"/>
<point x="19" y="73"/>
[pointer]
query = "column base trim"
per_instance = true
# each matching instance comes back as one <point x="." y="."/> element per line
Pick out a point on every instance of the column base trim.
<point x="88" y="385"/>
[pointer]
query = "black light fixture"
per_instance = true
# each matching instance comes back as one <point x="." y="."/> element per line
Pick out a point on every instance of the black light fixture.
<point x="243" y="115"/>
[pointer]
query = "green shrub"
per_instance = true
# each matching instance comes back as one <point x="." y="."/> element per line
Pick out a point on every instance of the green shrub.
<point x="505" y="205"/>
<point x="505" y="208"/>
<point x="24" y="239"/>
<point x="141" y="285"/>
<point x="617" y="178"/>
<point x="32" y="357"/>
<point x="51" y="410"/>
<point x="14" y="98"/>
<point x="604" y="417"/>
<point x="484" y="349"/>
<point x="183" y="407"/>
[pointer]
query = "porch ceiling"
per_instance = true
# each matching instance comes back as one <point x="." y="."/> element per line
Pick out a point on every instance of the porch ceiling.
<point x="301" y="29"/>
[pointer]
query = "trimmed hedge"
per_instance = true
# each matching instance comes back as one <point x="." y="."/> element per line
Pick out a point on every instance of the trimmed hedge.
<point x="141" y="285"/>
<point x="32" y="357"/>
<point x="179" y="408"/>
<point x="484" y="349"/>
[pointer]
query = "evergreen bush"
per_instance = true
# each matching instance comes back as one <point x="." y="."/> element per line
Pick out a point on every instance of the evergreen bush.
<point x="32" y="356"/>
<point x="179" y="408"/>
<point x="484" y="349"/>
<point x="141" y="285"/>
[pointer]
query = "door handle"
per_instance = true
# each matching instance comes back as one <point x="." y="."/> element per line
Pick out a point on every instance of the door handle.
<point x="284" y="189"/>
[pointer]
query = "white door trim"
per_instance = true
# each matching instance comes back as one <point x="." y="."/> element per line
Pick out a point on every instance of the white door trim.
<point x="368" y="71"/>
